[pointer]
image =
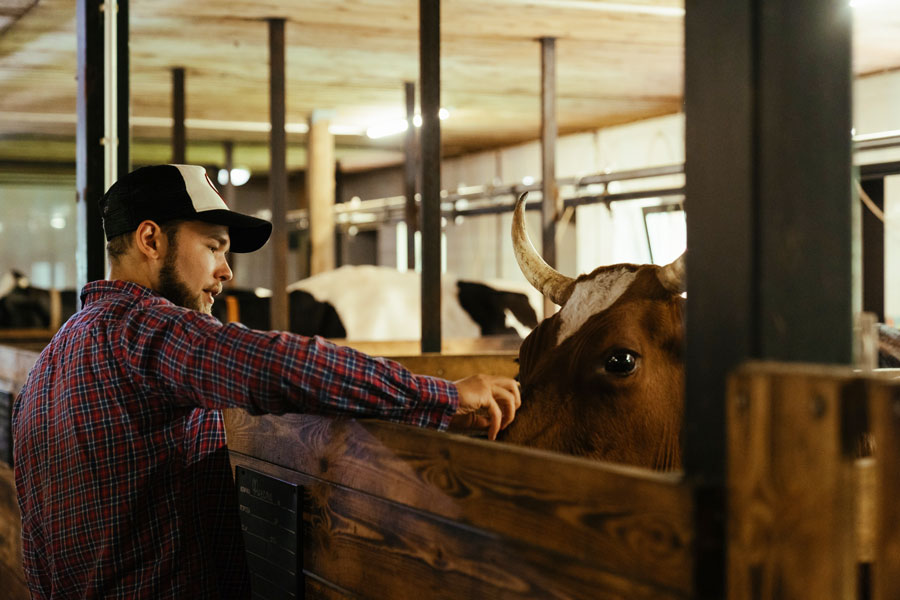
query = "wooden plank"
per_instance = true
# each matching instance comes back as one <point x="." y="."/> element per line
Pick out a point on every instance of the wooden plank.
<point x="381" y="549"/>
<point x="791" y="485"/>
<point x="885" y="408"/>
<point x="457" y="367"/>
<point x="628" y="521"/>
<point x="11" y="572"/>
<point x="322" y="590"/>
<point x="499" y="343"/>
<point x="15" y="363"/>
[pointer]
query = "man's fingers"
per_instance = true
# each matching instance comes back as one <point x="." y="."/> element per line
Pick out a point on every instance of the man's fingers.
<point x="496" y="420"/>
<point x="508" y="405"/>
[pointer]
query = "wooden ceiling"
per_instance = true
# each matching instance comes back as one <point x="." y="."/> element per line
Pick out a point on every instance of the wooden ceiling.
<point x="617" y="61"/>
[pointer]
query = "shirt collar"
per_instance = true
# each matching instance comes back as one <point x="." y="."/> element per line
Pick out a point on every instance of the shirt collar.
<point x="95" y="290"/>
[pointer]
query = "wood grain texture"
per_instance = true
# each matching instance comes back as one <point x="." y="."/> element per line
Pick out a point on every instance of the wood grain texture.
<point x="634" y="523"/>
<point x="885" y="407"/>
<point x="791" y="495"/>
<point x="377" y="548"/>
<point x="12" y="575"/>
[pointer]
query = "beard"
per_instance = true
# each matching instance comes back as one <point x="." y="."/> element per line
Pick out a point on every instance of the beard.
<point x="173" y="288"/>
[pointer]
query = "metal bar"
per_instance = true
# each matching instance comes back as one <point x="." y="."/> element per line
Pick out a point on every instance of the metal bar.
<point x="873" y="251"/>
<point x="228" y="148"/>
<point x="90" y="254"/>
<point x="430" y="83"/>
<point x="551" y="201"/>
<point x="123" y="91"/>
<point x="278" y="175"/>
<point x="879" y="170"/>
<point x="178" y="110"/>
<point x="409" y="176"/>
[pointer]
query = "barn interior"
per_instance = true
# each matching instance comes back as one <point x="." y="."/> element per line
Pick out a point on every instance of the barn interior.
<point x="618" y="91"/>
<point x="620" y="94"/>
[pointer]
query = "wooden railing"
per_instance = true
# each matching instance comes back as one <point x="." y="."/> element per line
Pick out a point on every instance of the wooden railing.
<point x="390" y="511"/>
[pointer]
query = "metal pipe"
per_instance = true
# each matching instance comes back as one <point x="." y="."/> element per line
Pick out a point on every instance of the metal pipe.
<point x="430" y="82"/>
<point x="179" y="138"/>
<point x="90" y="175"/>
<point x="409" y="176"/>
<point x="278" y="175"/>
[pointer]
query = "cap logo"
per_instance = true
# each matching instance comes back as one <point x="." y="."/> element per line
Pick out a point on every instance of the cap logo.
<point x="209" y="181"/>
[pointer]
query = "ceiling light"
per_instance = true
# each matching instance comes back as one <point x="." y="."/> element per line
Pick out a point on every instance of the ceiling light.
<point x="614" y="7"/>
<point x="417" y="120"/>
<point x="58" y="222"/>
<point x="443" y="114"/>
<point x="386" y="129"/>
<point x="239" y="176"/>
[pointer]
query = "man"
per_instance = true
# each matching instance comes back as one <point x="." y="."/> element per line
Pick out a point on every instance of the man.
<point x="121" y="467"/>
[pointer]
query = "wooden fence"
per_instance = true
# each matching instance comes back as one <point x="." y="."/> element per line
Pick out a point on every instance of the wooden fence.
<point x="389" y="511"/>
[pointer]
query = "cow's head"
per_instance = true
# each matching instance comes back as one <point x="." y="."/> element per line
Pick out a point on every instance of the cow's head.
<point x="604" y="377"/>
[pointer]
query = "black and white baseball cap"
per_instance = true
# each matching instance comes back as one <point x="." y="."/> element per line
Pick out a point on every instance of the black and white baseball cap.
<point x="163" y="193"/>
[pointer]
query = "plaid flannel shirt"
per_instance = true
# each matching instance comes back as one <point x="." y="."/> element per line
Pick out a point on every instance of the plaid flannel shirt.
<point x="121" y="467"/>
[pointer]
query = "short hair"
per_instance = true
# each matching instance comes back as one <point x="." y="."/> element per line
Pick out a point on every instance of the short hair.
<point x="118" y="246"/>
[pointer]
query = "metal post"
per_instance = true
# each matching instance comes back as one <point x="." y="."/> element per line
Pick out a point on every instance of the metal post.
<point x="771" y="249"/>
<point x="179" y="136"/>
<point x="90" y="176"/>
<point x="430" y="82"/>
<point x="551" y="210"/>
<point x="409" y="176"/>
<point x="278" y="175"/>
<point x="123" y="92"/>
<point x="228" y="147"/>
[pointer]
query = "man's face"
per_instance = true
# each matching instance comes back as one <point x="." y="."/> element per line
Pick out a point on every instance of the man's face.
<point x="194" y="267"/>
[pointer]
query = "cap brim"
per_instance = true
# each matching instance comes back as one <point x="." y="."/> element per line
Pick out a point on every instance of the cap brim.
<point x="247" y="233"/>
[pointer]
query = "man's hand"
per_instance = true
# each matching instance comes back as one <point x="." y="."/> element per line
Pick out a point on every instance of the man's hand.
<point x="486" y="401"/>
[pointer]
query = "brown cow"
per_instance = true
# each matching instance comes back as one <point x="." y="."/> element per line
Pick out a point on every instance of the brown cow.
<point x="604" y="377"/>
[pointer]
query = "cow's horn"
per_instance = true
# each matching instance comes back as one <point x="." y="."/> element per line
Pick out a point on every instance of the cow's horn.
<point x="542" y="276"/>
<point x="672" y="275"/>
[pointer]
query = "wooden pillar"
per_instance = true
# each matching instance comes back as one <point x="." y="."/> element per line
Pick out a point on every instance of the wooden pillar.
<point x="179" y="136"/>
<point x="770" y="221"/>
<point x="320" y="188"/>
<point x="551" y="207"/>
<point x="278" y="175"/>
<point x="409" y="176"/>
<point x="430" y="82"/>
<point x="90" y="168"/>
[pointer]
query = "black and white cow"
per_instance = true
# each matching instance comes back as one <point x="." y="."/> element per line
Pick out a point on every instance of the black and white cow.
<point x="369" y="303"/>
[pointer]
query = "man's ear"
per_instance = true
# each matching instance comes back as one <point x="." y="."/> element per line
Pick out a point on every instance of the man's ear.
<point x="150" y="240"/>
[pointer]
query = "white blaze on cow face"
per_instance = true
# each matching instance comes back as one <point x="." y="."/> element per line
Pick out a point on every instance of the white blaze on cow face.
<point x="591" y="297"/>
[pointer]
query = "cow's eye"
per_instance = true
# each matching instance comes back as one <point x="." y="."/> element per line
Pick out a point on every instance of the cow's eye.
<point x="621" y="362"/>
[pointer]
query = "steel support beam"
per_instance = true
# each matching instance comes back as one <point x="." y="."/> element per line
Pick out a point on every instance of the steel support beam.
<point x="551" y="206"/>
<point x="93" y="135"/>
<point x="409" y="175"/>
<point x="430" y="84"/>
<point x="179" y="135"/>
<point x="278" y="175"/>
<point x="772" y="254"/>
